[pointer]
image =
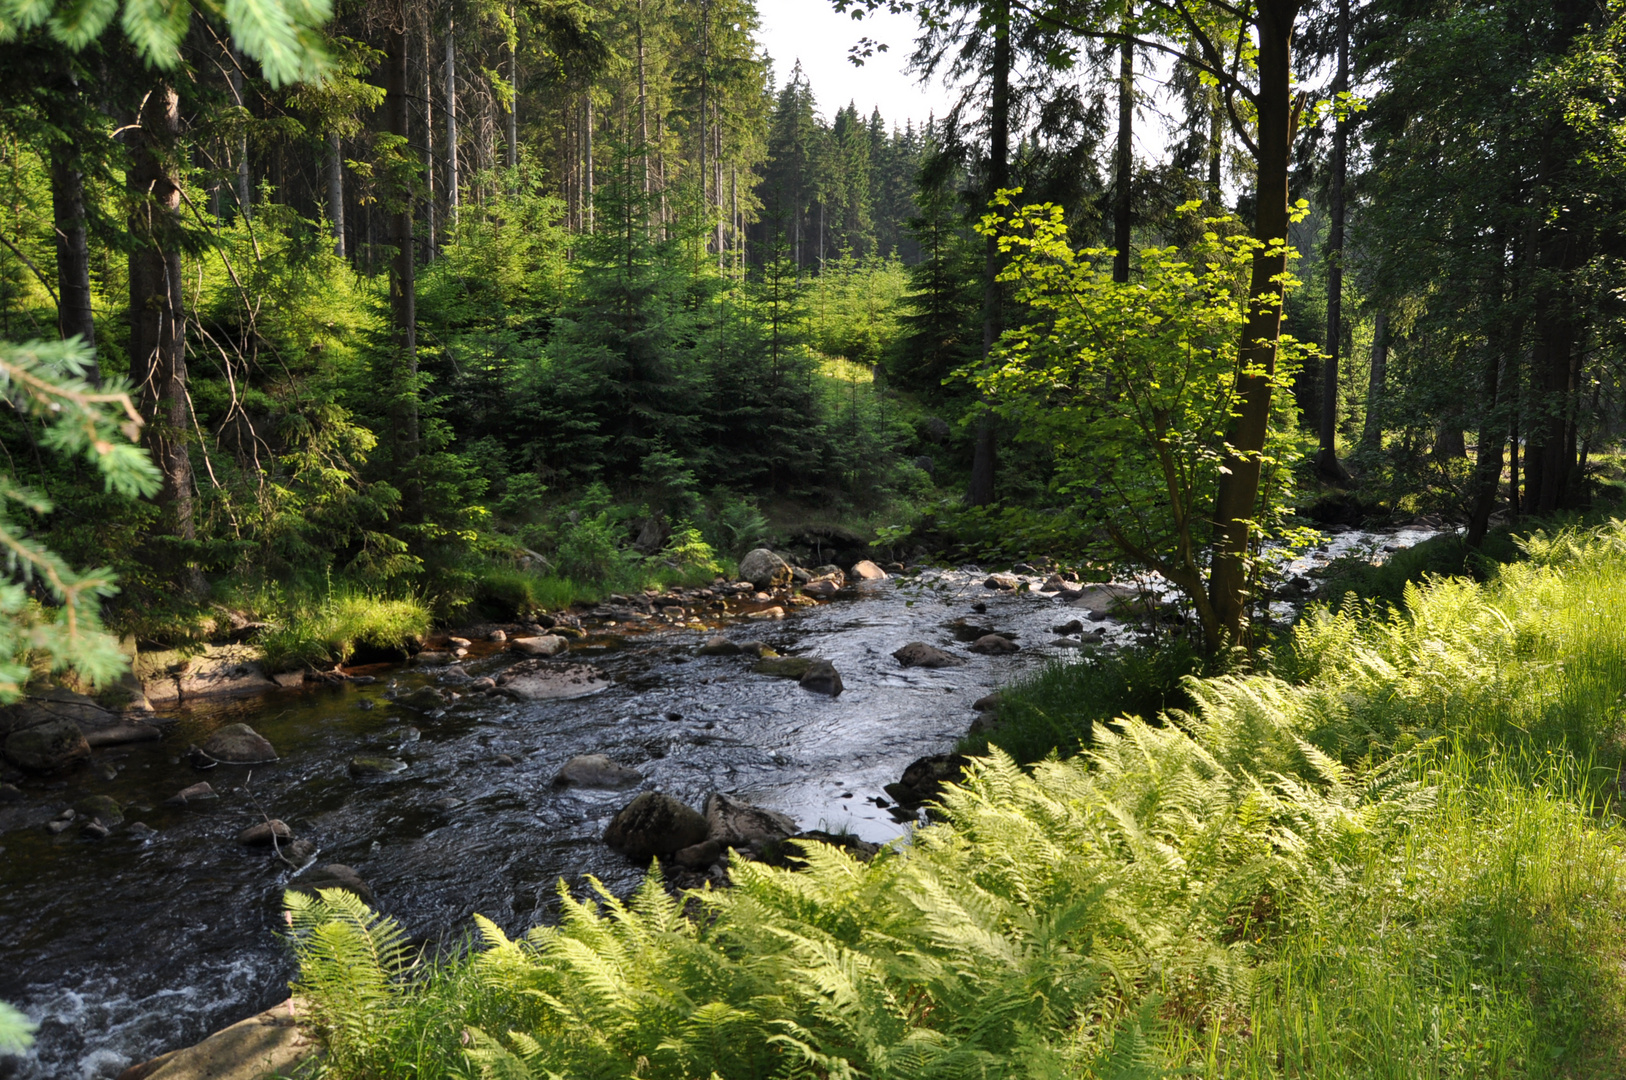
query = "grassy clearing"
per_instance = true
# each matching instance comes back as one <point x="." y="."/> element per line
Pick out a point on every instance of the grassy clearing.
<point x="329" y="628"/>
<point x="1393" y="855"/>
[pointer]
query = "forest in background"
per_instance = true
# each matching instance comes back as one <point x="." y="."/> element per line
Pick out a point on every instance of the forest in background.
<point x="512" y="304"/>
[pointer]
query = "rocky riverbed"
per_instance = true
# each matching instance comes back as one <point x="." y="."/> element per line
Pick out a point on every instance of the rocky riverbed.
<point x="438" y="786"/>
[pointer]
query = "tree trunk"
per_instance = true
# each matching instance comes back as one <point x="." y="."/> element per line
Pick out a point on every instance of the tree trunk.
<point x="1326" y="458"/>
<point x="245" y="187"/>
<point x="705" y="91"/>
<point x="1372" y="432"/>
<point x="1126" y="158"/>
<point x="453" y="181"/>
<point x="1238" y="496"/>
<point x="157" y="323"/>
<point x="513" y="92"/>
<point x="403" y="290"/>
<point x="643" y="108"/>
<point x="984" y="454"/>
<point x="1216" y="150"/>
<point x="335" y="191"/>
<point x="587" y="162"/>
<point x="429" y="229"/>
<point x="1492" y="431"/>
<point x="717" y="178"/>
<point x="74" y="314"/>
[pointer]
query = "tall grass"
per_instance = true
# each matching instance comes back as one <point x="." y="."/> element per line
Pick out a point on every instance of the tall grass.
<point x="329" y="628"/>
<point x="1394" y="855"/>
<point x="1055" y="709"/>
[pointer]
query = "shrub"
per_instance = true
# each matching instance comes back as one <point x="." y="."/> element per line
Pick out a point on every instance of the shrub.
<point x="590" y="550"/>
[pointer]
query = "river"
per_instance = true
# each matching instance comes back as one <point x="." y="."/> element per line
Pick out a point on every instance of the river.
<point x="126" y="947"/>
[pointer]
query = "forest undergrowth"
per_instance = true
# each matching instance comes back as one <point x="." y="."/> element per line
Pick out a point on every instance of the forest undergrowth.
<point x="1392" y="851"/>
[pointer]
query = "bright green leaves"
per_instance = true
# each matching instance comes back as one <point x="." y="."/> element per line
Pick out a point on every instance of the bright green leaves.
<point x="1133" y="385"/>
<point x="283" y="35"/>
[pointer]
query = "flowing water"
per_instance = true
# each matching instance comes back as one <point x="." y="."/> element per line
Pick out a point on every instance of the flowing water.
<point x="126" y="947"/>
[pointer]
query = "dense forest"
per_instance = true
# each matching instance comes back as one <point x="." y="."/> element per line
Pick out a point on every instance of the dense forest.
<point x="559" y="282"/>
<point x="330" y="330"/>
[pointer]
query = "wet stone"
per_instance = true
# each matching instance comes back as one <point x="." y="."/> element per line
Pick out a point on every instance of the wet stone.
<point x="264" y="833"/>
<point x="238" y="744"/>
<point x="596" y="771"/>
<point x="364" y="768"/>
<point x="920" y="654"/>
<point x="994" y="645"/>
<point x="822" y="678"/>
<point x="655" y="824"/>
<point x="195" y="793"/>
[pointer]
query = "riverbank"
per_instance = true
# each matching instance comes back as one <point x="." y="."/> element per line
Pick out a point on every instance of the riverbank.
<point x="1392" y="854"/>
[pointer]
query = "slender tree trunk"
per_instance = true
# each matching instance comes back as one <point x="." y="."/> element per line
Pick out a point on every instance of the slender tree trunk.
<point x="985" y="451"/>
<point x="157" y="322"/>
<point x="587" y="161"/>
<point x="1492" y="430"/>
<point x="643" y="108"/>
<point x="1238" y="496"/>
<point x="1326" y="459"/>
<point x="1126" y="157"/>
<point x="1372" y="432"/>
<point x="245" y="186"/>
<point x="74" y="314"/>
<point x="513" y="92"/>
<point x="335" y="191"/>
<point x="430" y="231"/>
<point x="454" y="182"/>
<point x="660" y="164"/>
<point x="403" y="288"/>
<point x="705" y="90"/>
<point x="734" y="215"/>
<point x="717" y="178"/>
<point x="1216" y="151"/>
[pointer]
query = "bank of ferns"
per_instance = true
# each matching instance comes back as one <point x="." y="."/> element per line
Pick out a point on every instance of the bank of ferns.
<point x="1380" y="864"/>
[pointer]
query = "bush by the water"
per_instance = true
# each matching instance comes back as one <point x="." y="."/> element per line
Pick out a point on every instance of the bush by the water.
<point x="1394" y="856"/>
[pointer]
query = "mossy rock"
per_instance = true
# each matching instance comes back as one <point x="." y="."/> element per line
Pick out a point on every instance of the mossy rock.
<point x="102" y="807"/>
<point x="784" y="667"/>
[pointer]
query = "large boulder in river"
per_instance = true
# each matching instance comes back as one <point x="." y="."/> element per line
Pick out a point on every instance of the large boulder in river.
<point x="720" y="646"/>
<point x="764" y="569"/>
<point x="920" y="654"/>
<point x="47" y="747"/>
<point x="655" y="824"/>
<point x="735" y="823"/>
<point x="925" y="777"/>
<point x="238" y="744"/>
<point x="822" y="678"/>
<point x="596" y="771"/>
<point x="864" y="570"/>
<point x="550" y="680"/>
<point x="546" y="645"/>
<point x="993" y="645"/>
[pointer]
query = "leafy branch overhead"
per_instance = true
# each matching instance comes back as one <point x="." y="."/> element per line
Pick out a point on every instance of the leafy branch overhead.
<point x="283" y="35"/>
